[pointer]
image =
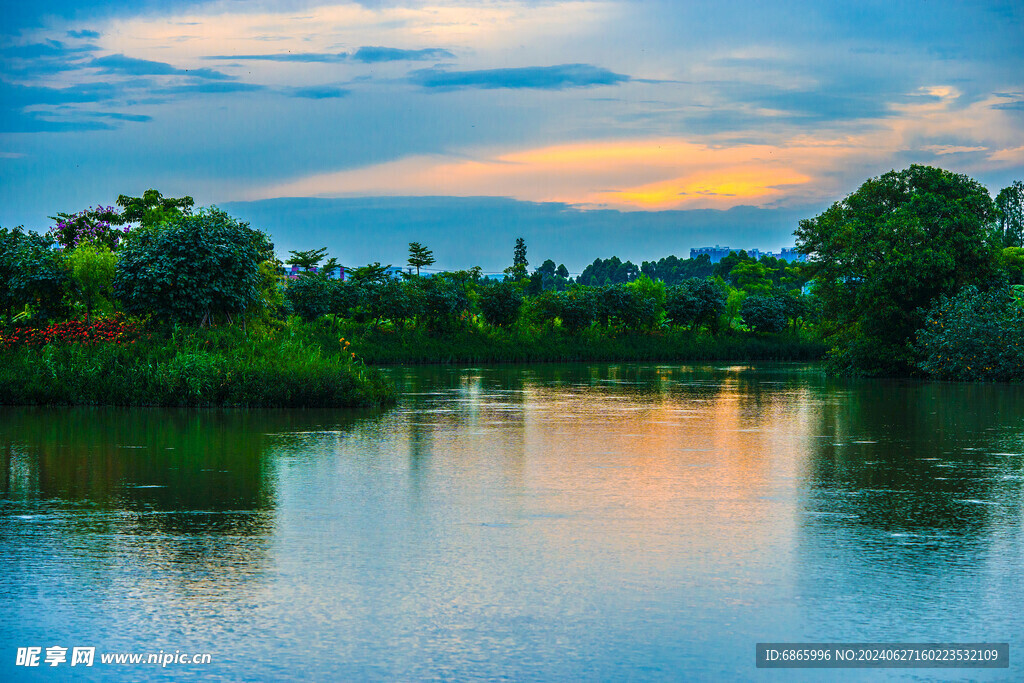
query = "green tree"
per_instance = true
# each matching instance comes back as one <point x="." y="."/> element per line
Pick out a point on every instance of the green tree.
<point x="420" y="256"/>
<point x="696" y="302"/>
<point x="517" y="271"/>
<point x="195" y="269"/>
<point x="152" y="208"/>
<point x="307" y="260"/>
<point x="500" y="303"/>
<point x="92" y="271"/>
<point x="1010" y="214"/>
<point x="764" y="313"/>
<point x="885" y="252"/>
<point x="33" y="274"/>
<point x="562" y="271"/>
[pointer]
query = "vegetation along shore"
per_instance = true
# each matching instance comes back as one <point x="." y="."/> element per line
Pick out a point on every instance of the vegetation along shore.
<point x="917" y="273"/>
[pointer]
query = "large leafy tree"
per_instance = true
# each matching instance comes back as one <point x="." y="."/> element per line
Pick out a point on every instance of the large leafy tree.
<point x="885" y="252"/>
<point x="195" y="269"/>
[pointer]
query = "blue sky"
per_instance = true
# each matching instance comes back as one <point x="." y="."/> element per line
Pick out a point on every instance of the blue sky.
<point x="611" y="113"/>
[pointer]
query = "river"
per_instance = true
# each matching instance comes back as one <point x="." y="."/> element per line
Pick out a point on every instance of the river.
<point x="542" y="522"/>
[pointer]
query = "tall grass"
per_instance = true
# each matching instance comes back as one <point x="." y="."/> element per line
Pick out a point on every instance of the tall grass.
<point x="207" y="367"/>
<point x="485" y="344"/>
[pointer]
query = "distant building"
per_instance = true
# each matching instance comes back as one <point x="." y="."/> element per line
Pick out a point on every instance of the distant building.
<point x="791" y="254"/>
<point x="715" y="253"/>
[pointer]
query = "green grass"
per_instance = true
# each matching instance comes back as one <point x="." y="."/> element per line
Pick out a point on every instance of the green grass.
<point x="479" y="344"/>
<point x="205" y="367"/>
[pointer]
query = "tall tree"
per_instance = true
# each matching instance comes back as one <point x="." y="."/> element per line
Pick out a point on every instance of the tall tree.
<point x="1010" y="214"/>
<point x="881" y="255"/>
<point x="307" y="260"/>
<point x="517" y="271"/>
<point x="420" y="256"/>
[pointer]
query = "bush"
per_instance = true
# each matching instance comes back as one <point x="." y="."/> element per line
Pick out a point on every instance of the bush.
<point x="577" y="307"/>
<point x="974" y="336"/>
<point x="443" y="302"/>
<point x="764" y="313"/>
<point x="696" y="302"/>
<point x="32" y="274"/>
<point x="194" y="269"/>
<point x="311" y="296"/>
<point x="500" y="303"/>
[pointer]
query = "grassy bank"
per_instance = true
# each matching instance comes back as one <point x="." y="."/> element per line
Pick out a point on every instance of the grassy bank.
<point x="192" y="367"/>
<point x="490" y="345"/>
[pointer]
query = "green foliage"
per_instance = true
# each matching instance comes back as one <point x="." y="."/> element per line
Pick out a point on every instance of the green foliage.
<point x="630" y="307"/>
<point x="420" y="256"/>
<point x="752" y="277"/>
<point x="883" y="254"/>
<point x="1010" y="214"/>
<point x="311" y="297"/>
<point x="294" y="367"/>
<point x="92" y="272"/>
<point x="609" y="271"/>
<point x="673" y="270"/>
<point x="766" y="314"/>
<point x="444" y="301"/>
<point x="577" y="308"/>
<point x="500" y="303"/>
<point x="517" y="271"/>
<point x="974" y="335"/>
<point x="195" y="269"/>
<point x="91" y="225"/>
<point x="696" y="302"/>
<point x="152" y="209"/>
<point x="307" y="260"/>
<point x="33" y="274"/>
<point x="1011" y="262"/>
<point x="372" y="272"/>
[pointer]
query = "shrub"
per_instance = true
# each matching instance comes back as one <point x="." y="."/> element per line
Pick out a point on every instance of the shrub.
<point x="444" y="302"/>
<point x="974" y="335"/>
<point x="500" y="303"/>
<point x="92" y="270"/>
<point x="32" y="274"/>
<point x="577" y="307"/>
<point x="764" y="313"/>
<point x="696" y="302"/>
<point x="311" y="296"/>
<point x="194" y="269"/>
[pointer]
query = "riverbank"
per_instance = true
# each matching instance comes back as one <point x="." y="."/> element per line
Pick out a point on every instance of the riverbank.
<point x="414" y="346"/>
<point x="218" y="367"/>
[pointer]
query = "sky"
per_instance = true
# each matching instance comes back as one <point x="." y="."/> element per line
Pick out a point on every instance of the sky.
<point x="638" y="128"/>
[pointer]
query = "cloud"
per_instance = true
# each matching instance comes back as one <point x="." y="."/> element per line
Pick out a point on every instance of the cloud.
<point x="84" y="34"/>
<point x="308" y="57"/>
<point x="540" y="77"/>
<point x="319" y="92"/>
<point x="392" y="54"/>
<point x="680" y="172"/>
<point x="208" y="88"/>
<point x="120" y="64"/>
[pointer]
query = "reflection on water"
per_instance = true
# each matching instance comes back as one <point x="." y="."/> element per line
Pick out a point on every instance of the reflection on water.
<point x="527" y="522"/>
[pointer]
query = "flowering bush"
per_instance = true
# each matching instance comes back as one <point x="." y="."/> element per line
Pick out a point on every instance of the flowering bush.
<point x="99" y="224"/>
<point x="115" y="330"/>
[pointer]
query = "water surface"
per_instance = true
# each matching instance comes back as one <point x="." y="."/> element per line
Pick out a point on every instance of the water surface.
<point x="538" y="522"/>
